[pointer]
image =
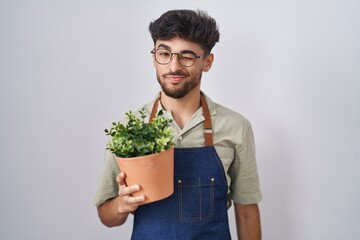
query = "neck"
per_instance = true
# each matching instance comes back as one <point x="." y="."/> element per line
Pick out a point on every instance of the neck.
<point x="183" y="108"/>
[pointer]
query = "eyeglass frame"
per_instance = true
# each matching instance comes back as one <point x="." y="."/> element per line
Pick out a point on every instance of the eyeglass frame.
<point x="178" y="54"/>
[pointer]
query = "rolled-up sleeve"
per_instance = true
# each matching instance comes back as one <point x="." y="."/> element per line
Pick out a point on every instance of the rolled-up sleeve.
<point x="245" y="184"/>
<point x="107" y="187"/>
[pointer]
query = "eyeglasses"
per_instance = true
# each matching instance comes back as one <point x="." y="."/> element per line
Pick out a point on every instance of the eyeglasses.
<point x="186" y="58"/>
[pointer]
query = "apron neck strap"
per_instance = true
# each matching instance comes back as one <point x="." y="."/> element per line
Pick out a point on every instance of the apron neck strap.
<point x="207" y="123"/>
<point x="154" y="109"/>
<point x="208" y="132"/>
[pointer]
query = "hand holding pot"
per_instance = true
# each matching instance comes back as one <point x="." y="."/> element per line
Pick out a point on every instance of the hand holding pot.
<point x="127" y="203"/>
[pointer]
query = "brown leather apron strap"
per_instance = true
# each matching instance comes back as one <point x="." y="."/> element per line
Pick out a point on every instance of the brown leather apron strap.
<point x="206" y="113"/>
<point x="207" y="123"/>
<point x="154" y="109"/>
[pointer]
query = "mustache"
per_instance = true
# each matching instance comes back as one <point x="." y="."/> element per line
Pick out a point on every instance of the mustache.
<point x="178" y="72"/>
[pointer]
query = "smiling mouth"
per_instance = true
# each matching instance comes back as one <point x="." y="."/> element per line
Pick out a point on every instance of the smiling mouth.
<point x="175" y="78"/>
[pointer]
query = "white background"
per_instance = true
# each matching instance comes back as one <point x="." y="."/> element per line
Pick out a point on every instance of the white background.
<point x="70" y="68"/>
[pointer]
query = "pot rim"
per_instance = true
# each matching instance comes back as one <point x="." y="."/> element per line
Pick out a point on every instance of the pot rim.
<point x="145" y="156"/>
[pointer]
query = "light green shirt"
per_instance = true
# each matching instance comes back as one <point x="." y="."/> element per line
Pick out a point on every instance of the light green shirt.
<point x="234" y="143"/>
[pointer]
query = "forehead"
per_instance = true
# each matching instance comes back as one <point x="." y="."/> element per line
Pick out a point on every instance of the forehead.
<point x="178" y="44"/>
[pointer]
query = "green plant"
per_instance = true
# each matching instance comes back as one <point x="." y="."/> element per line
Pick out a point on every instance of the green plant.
<point x="139" y="138"/>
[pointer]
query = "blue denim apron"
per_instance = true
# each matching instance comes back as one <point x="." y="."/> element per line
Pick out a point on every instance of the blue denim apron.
<point x="198" y="207"/>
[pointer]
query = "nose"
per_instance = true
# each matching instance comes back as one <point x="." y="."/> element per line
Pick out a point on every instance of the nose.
<point x="174" y="63"/>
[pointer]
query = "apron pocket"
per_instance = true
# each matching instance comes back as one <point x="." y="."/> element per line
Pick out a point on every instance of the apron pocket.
<point x="196" y="199"/>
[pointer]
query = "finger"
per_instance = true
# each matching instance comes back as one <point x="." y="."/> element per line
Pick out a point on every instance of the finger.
<point x="128" y="190"/>
<point x="133" y="200"/>
<point x="129" y="204"/>
<point x="120" y="179"/>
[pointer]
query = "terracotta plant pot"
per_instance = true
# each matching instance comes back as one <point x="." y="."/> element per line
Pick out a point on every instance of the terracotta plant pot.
<point x="153" y="173"/>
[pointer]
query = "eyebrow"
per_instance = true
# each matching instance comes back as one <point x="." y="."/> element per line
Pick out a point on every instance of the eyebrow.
<point x="164" y="46"/>
<point x="169" y="48"/>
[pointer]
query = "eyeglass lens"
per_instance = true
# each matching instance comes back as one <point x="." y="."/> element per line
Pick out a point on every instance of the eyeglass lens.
<point x="163" y="56"/>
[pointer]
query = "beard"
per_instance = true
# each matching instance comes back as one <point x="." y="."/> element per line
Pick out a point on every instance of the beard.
<point x="184" y="87"/>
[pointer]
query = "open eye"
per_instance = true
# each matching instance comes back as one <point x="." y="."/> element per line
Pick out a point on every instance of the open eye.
<point x="163" y="53"/>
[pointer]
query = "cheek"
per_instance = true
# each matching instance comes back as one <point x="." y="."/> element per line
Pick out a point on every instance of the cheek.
<point x="160" y="69"/>
<point x="197" y="71"/>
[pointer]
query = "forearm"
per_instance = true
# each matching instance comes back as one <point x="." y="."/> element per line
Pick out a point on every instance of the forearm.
<point x="248" y="222"/>
<point x="110" y="215"/>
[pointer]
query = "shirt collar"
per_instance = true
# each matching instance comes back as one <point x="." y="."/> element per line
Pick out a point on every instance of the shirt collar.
<point x="211" y="104"/>
<point x="161" y="110"/>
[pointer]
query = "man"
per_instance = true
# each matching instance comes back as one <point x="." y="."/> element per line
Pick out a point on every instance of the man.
<point x="214" y="148"/>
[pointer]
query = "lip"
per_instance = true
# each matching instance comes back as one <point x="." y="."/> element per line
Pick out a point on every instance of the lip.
<point x="175" y="78"/>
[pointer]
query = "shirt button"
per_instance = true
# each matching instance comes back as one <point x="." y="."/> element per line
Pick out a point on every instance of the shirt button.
<point x="180" y="138"/>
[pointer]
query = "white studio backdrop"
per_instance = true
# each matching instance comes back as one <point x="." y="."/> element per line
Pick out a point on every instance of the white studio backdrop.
<point x="70" y="68"/>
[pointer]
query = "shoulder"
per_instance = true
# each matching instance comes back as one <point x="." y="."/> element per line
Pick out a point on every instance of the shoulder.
<point x="230" y="116"/>
<point x="230" y="125"/>
<point x="230" y="128"/>
<point x="226" y="117"/>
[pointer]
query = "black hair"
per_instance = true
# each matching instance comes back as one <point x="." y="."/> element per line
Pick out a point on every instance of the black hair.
<point x="194" y="26"/>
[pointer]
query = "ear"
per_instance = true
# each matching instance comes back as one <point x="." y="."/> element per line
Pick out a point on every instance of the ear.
<point x="208" y="62"/>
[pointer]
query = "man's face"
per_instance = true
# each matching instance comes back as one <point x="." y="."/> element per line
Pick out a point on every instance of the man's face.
<point x="176" y="80"/>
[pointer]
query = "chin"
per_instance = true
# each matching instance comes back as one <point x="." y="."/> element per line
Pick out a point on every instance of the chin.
<point x="176" y="95"/>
